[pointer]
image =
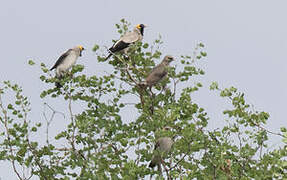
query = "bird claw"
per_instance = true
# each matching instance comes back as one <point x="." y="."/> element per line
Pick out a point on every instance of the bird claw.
<point x="70" y="74"/>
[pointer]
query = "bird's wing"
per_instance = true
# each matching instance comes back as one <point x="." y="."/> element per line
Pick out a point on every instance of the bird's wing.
<point x="157" y="145"/>
<point x="118" y="46"/>
<point x="130" y="37"/>
<point x="61" y="59"/>
<point x="124" y="41"/>
<point x="156" y="75"/>
<point x="158" y="72"/>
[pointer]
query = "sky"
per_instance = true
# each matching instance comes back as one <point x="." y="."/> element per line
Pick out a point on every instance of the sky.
<point x="245" y="42"/>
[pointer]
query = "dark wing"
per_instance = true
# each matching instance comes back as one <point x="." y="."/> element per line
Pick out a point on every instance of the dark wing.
<point x="156" y="145"/>
<point x="118" y="46"/>
<point x="61" y="59"/>
<point x="125" y="41"/>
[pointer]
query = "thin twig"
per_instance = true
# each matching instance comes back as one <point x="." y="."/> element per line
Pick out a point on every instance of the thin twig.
<point x="270" y="132"/>
<point x="166" y="169"/>
<point x="178" y="162"/>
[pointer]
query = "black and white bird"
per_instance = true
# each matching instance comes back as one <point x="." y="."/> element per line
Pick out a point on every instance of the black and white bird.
<point x="128" y="38"/>
<point x="159" y="72"/>
<point x="66" y="61"/>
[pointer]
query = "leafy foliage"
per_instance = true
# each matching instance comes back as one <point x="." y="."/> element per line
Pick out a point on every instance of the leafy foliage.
<point x="101" y="142"/>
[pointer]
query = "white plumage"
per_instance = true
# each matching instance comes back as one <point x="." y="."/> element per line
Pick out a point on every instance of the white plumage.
<point x="128" y="38"/>
<point x="66" y="61"/>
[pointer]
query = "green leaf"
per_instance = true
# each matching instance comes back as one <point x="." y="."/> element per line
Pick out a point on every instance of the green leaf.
<point x="214" y="86"/>
<point x="201" y="45"/>
<point x="34" y="129"/>
<point x="10" y="106"/>
<point x="30" y="62"/>
<point x="204" y="54"/>
<point x="283" y="129"/>
<point x="96" y="47"/>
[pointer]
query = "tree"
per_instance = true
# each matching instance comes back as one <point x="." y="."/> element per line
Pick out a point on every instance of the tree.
<point x="103" y="143"/>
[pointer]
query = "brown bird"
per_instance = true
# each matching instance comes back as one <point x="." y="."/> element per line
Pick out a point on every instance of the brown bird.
<point x="159" y="72"/>
<point x="162" y="147"/>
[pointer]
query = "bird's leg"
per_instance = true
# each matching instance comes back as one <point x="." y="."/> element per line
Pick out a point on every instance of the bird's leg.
<point x="152" y="94"/>
<point x="70" y="74"/>
<point x="163" y="89"/>
<point x="142" y="99"/>
<point x="59" y="76"/>
<point x="125" y="53"/>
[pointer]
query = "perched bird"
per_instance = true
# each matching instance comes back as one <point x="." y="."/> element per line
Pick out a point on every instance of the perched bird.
<point x="158" y="72"/>
<point x="127" y="39"/>
<point x="66" y="61"/>
<point x="163" y="146"/>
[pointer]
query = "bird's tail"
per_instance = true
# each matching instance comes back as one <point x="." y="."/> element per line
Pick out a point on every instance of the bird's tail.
<point x="152" y="164"/>
<point x="155" y="160"/>
<point x="58" y="85"/>
<point x="108" y="56"/>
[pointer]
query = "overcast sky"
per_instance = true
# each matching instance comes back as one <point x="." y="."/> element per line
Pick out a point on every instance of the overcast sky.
<point x="245" y="41"/>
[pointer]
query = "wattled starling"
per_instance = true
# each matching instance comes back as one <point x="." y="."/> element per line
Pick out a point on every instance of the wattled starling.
<point x="128" y="38"/>
<point x="66" y="61"/>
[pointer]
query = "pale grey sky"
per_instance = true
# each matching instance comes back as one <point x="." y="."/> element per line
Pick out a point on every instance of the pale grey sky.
<point x="245" y="41"/>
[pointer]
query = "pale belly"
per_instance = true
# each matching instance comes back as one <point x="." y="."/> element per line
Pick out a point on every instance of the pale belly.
<point x="67" y="64"/>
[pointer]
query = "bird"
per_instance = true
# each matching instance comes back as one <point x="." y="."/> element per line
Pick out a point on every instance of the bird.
<point x="163" y="146"/>
<point x="158" y="72"/>
<point x="127" y="39"/>
<point x="66" y="61"/>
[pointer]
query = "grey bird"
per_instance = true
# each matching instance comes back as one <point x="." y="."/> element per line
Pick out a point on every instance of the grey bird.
<point x="159" y="72"/>
<point x="128" y="38"/>
<point x="66" y="61"/>
<point x="162" y="147"/>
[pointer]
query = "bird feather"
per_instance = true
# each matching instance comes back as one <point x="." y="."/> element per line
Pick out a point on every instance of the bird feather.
<point x="61" y="59"/>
